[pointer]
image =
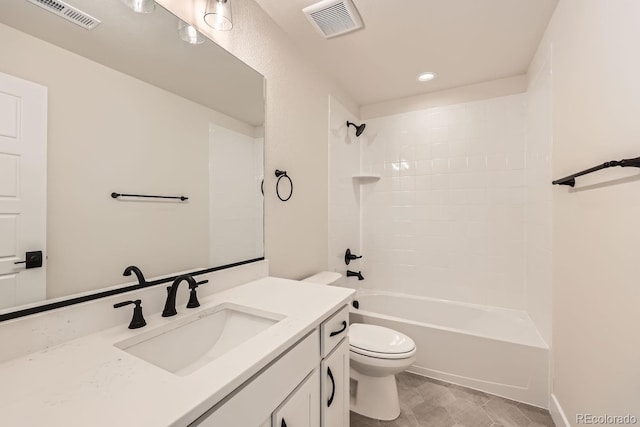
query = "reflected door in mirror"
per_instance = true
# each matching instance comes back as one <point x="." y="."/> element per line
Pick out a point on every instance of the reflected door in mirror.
<point x="23" y="138"/>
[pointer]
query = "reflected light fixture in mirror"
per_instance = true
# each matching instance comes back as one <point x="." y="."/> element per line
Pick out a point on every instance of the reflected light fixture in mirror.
<point x="189" y="34"/>
<point x="217" y="15"/>
<point x="141" y="6"/>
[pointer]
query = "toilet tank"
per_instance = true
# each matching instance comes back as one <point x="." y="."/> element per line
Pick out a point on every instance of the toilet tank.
<point x="324" y="278"/>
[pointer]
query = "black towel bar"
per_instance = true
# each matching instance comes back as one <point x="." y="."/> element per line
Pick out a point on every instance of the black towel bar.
<point x="116" y="195"/>
<point x="571" y="179"/>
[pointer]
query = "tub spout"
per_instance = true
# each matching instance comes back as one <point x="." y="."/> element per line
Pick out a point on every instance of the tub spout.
<point x="354" y="274"/>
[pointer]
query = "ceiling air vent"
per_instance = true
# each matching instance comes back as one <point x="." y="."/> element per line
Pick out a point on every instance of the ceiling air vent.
<point x="333" y="18"/>
<point x="69" y="13"/>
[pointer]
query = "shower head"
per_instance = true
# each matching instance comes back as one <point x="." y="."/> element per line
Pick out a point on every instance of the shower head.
<point x="359" y="129"/>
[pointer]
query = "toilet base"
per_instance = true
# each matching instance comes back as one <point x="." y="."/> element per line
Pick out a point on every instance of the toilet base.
<point x="374" y="397"/>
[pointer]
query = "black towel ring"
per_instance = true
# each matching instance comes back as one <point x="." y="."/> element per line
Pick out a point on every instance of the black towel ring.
<point x="283" y="174"/>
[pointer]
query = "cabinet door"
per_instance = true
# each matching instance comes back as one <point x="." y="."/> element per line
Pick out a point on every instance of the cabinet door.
<point x="302" y="407"/>
<point x="334" y="379"/>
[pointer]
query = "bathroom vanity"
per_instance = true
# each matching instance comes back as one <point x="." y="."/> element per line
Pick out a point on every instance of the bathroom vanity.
<point x="272" y="352"/>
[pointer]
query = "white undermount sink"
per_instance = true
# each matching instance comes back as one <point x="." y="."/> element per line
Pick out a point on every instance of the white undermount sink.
<point x="188" y="344"/>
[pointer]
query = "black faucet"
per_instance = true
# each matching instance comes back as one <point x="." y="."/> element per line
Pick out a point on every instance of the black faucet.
<point x="170" y="305"/>
<point x="354" y="274"/>
<point x="138" y="273"/>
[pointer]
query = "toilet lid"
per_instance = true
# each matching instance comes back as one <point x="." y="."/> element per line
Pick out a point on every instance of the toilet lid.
<point x="378" y="339"/>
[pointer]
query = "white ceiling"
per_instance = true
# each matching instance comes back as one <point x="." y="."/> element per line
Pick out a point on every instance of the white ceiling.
<point x="464" y="41"/>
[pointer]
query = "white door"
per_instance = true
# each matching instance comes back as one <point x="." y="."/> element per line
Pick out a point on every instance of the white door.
<point x="23" y="180"/>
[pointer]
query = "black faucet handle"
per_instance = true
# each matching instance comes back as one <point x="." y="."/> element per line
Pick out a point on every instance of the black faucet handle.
<point x="193" y="296"/>
<point x="195" y="285"/>
<point x="193" y="299"/>
<point x="348" y="256"/>
<point x="137" y="321"/>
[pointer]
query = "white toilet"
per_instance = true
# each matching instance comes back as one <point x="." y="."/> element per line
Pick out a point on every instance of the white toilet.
<point x="376" y="355"/>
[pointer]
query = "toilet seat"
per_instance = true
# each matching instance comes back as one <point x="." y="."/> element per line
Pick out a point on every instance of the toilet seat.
<point x="380" y="342"/>
<point x="388" y="356"/>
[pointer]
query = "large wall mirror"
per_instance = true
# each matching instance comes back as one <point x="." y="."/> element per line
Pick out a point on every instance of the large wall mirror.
<point x="130" y="108"/>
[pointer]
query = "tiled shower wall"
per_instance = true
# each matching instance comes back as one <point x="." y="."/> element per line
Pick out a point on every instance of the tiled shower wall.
<point x="462" y="207"/>
<point x="446" y="219"/>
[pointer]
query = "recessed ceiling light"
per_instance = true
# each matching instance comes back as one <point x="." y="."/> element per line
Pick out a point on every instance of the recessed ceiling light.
<point x="428" y="76"/>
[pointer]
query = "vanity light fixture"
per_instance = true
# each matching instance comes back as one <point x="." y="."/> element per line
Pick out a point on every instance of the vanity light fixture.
<point x="217" y="15"/>
<point x="189" y="34"/>
<point x="141" y="6"/>
<point x="427" y="76"/>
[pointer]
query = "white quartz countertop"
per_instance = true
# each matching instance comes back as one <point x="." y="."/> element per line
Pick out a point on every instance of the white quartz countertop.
<point x="90" y="382"/>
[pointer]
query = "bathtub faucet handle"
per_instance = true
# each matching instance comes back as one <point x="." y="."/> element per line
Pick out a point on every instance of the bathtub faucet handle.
<point x="354" y="274"/>
<point x="348" y="256"/>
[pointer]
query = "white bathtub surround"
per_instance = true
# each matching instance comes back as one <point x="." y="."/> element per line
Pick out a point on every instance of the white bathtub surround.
<point x="71" y="382"/>
<point x="461" y="213"/>
<point x="446" y="220"/>
<point x="51" y="328"/>
<point x="486" y="348"/>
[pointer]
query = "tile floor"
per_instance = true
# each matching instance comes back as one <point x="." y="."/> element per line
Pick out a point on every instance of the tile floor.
<point x="430" y="403"/>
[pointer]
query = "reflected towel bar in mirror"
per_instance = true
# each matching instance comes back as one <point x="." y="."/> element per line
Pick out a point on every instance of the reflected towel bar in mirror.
<point x="571" y="179"/>
<point x="117" y="195"/>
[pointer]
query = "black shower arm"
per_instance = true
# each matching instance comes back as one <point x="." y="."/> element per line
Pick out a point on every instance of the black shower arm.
<point x="571" y="179"/>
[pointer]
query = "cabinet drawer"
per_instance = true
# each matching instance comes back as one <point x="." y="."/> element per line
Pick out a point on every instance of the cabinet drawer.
<point x="333" y="330"/>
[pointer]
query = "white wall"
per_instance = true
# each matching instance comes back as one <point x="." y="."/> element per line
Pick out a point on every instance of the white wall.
<point x="344" y="192"/>
<point x="110" y="132"/>
<point x="593" y="45"/>
<point x="446" y="220"/>
<point x="295" y="132"/>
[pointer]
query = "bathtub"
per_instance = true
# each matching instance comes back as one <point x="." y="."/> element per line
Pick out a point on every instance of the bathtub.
<point x="492" y="349"/>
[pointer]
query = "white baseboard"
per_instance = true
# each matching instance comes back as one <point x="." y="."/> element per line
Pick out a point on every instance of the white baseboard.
<point x="557" y="414"/>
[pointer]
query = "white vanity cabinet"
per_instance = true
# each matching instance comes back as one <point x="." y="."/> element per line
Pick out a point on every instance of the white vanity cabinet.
<point x="306" y="386"/>
<point x="255" y="401"/>
<point x="302" y="407"/>
<point x="250" y="377"/>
